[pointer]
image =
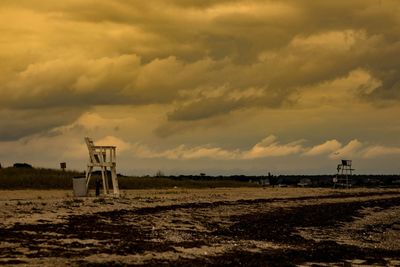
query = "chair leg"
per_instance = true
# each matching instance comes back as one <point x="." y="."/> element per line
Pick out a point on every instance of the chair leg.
<point x="114" y="181"/>
<point x="88" y="175"/>
<point x="104" y="181"/>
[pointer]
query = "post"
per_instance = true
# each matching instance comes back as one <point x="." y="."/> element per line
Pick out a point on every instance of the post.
<point x="63" y="166"/>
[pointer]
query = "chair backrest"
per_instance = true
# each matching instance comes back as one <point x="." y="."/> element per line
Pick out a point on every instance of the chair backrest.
<point x="94" y="158"/>
<point x="100" y="154"/>
<point x="89" y="141"/>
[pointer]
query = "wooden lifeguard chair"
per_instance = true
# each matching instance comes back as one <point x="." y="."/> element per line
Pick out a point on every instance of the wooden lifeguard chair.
<point x="103" y="157"/>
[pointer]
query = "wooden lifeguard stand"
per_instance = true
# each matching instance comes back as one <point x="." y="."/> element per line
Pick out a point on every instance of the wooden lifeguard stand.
<point x="103" y="157"/>
<point x="344" y="173"/>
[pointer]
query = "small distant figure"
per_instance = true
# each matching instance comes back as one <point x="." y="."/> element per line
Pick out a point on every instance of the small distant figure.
<point x="273" y="180"/>
<point x="98" y="184"/>
<point x="159" y="174"/>
<point x="63" y="166"/>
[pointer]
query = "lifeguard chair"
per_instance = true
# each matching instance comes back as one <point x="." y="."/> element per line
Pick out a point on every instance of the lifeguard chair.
<point x="103" y="157"/>
<point x="344" y="173"/>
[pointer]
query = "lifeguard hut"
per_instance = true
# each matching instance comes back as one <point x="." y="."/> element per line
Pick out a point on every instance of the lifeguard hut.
<point x="105" y="158"/>
<point x="344" y="173"/>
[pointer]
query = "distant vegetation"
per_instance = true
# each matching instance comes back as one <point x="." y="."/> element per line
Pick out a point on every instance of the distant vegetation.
<point x="22" y="178"/>
<point x="170" y="182"/>
<point x="38" y="178"/>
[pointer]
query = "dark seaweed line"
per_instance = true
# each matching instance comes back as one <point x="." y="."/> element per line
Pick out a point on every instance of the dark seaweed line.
<point x="325" y="252"/>
<point x="283" y="224"/>
<point x="283" y="230"/>
<point x="199" y="205"/>
<point x="315" y="215"/>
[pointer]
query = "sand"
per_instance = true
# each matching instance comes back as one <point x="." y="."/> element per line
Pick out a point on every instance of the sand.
<point x="207" y="227"/>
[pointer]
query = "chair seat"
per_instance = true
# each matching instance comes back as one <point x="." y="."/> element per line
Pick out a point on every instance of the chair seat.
<point x="104" y="164"/>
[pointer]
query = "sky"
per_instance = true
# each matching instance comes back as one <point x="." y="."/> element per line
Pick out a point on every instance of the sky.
<point x="186" y="86"/>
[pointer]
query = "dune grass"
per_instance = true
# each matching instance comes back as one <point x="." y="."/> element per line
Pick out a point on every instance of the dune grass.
<point x="24" y="178"/>
<point x="37" y="178"/>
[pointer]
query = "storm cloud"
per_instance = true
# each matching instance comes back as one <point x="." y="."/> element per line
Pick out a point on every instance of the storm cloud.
<point x="198" y="68"/>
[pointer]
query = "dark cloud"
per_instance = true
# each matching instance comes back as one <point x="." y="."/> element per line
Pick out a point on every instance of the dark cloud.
<point x="204" y="109"/>
<point x="19" y="123"/>
<point x="79" y="54"/>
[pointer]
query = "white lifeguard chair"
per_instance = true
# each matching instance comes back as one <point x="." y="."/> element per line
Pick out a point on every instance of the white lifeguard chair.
<point x="344" y="174"/>
<point x="103" y="157"/>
